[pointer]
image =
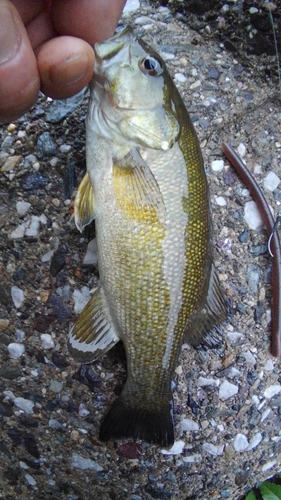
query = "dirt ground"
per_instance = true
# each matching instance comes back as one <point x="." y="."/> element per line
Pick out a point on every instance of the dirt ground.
<point x="49" y="447"/>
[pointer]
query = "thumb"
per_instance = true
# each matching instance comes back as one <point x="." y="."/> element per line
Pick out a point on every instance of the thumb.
<point x="19" y="78"/>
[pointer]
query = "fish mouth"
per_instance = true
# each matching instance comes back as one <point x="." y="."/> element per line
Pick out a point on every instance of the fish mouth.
<point x="109" y="48"/>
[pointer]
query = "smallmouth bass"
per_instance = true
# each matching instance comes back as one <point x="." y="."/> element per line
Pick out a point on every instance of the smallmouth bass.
<point x="146" y="188"/>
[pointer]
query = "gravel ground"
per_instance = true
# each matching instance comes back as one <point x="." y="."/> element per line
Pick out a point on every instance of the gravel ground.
<point x="227" y="401"/>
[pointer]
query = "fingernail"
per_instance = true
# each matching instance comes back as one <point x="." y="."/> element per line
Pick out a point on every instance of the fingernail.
<point x="70" y="71"/>
<point x="10" y="36"/>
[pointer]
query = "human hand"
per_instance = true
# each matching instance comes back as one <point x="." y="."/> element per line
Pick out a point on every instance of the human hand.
<point x="46" y="44"/>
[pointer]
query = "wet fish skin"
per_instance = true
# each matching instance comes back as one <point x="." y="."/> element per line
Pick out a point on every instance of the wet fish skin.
<point x="146" y="188"/>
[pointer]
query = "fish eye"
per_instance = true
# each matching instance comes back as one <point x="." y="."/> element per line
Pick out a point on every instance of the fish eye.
<point x="151" y="66"/>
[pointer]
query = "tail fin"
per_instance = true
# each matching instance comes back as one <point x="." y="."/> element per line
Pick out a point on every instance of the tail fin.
<point x="155" y="425"/>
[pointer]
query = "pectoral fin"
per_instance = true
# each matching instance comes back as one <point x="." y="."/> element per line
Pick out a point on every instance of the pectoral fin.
<point x="136" y="189"/>
<point x="93" y="333"/>
<point x="84" y="205"/>
<point x="157" y="130"/>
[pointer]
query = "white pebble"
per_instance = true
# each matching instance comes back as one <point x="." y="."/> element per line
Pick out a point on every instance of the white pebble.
<point x="250" y="359"/>
<point x="220" y="201"/>
<point x="240" y="442"/>
<point x="257" y="169"/>
<point x="227" y="390"/>
<point x="268" y="465"/>
<point x="82" y="463"/>
<point x="81" y="298"/>
<point x="265" y="414"/>
<point x="271" y="391"/>
<point x="167" y="56"/>
<point x="22" y="207"/>
<point x="20" y="334"/>
<point x="47" y="256"/>
<point x="30" y="480"/>
<point x="24" y="404"/>
<point x="271" y="181"/>
<point x="269" y="365"/>
<point x="180" y="77"/>
<point x="233" y="372"/>
<point x="54" y="161"/>
<point x="130" y="6"/>
<point x="176" y="449"/>
<point x="65" y="148"/>
<point x="217" y="165"/>
<point x="16" y="350"/>
<point x="252" y="216"/>
<point x="193" y="458"/>
<point x="241" y="149"/>
<point x="188" y="425"/>
<point x="91" y="257"/>
<point x="23" y="465"/>
<point x="195" y="85"/>
<point x="47" y="341"/>
<point x="234" y="336"/>
<point x="32" y="226"/>
<point x="54" y="424"/>
<point x="213" y="449"/>
<point x="255" y="441"/>
<point x="18" y="232"/>
<point x="17" y="296"/>
<point x="203" y="381"/>
<point x="83" y="410"/>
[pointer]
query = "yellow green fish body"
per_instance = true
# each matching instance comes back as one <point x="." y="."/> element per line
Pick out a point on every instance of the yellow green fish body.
<point x="147" y="190"/>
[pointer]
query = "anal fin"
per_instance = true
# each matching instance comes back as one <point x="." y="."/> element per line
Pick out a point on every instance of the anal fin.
<point x="205" y="326"/>
<point x="93" y="333"/>
<point x="84" y="205"/>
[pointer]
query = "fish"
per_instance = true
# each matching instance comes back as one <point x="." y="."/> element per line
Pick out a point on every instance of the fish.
<point x="146" y="188"/>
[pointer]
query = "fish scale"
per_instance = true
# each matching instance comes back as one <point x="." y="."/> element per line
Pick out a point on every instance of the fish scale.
<point x="146" y="188"/>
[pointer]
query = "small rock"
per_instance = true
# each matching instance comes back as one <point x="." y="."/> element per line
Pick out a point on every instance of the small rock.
<point x="83" y="410"/>
<point x="32" y="226"/>
<point x="217" y="165"/>
<point x="271" y="391"/>
<point x="240" y="442"/>
<point x="24" y="404"/>
<point x="30" y="480"/>
<point x="227" y="390"/>
<point x="268" y="465"/>
<point x="18" y="233"/>
<point x="188" y="425"/>
<point x="45" y="145"/>
<point x="60" y="108"/>
<point x="214" y="73"/>
<point x="17" y="296"/>
<point x="10" y="163"/>
<point x="213" y="449"/>
<point x="130" y="6"/>
<point x="65" y="148"/>
<point x="176" y="449"/>
<point x="34" y="181"/>
<point x="91" y="257"/>
<point x="22" y="207"/>
<point x="204" y="381"/>
<point x="54" y="424"/>
<point x="255" y="441"/>
<point x="192" y="458"/>
<point x="179" y="77"/>
<point x="241" y="149"/>
<point x="81" y="298"/>
<point x="252" y="216"/>
<point x="271" y="181"/>
<point x="220" y="201"/>
<point x="16" y="350"/>
<point x="82" y="463"/>
<point x="55" y="385"/>
<point x="195" y="85"/>
<point x="130" y="450"/>
<point x="269" y="365"/>
<point x="47" y="341"/>
<point x="251" y="360"/>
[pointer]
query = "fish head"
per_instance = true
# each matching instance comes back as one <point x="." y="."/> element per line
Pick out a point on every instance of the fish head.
<point x="133" y="87"/>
